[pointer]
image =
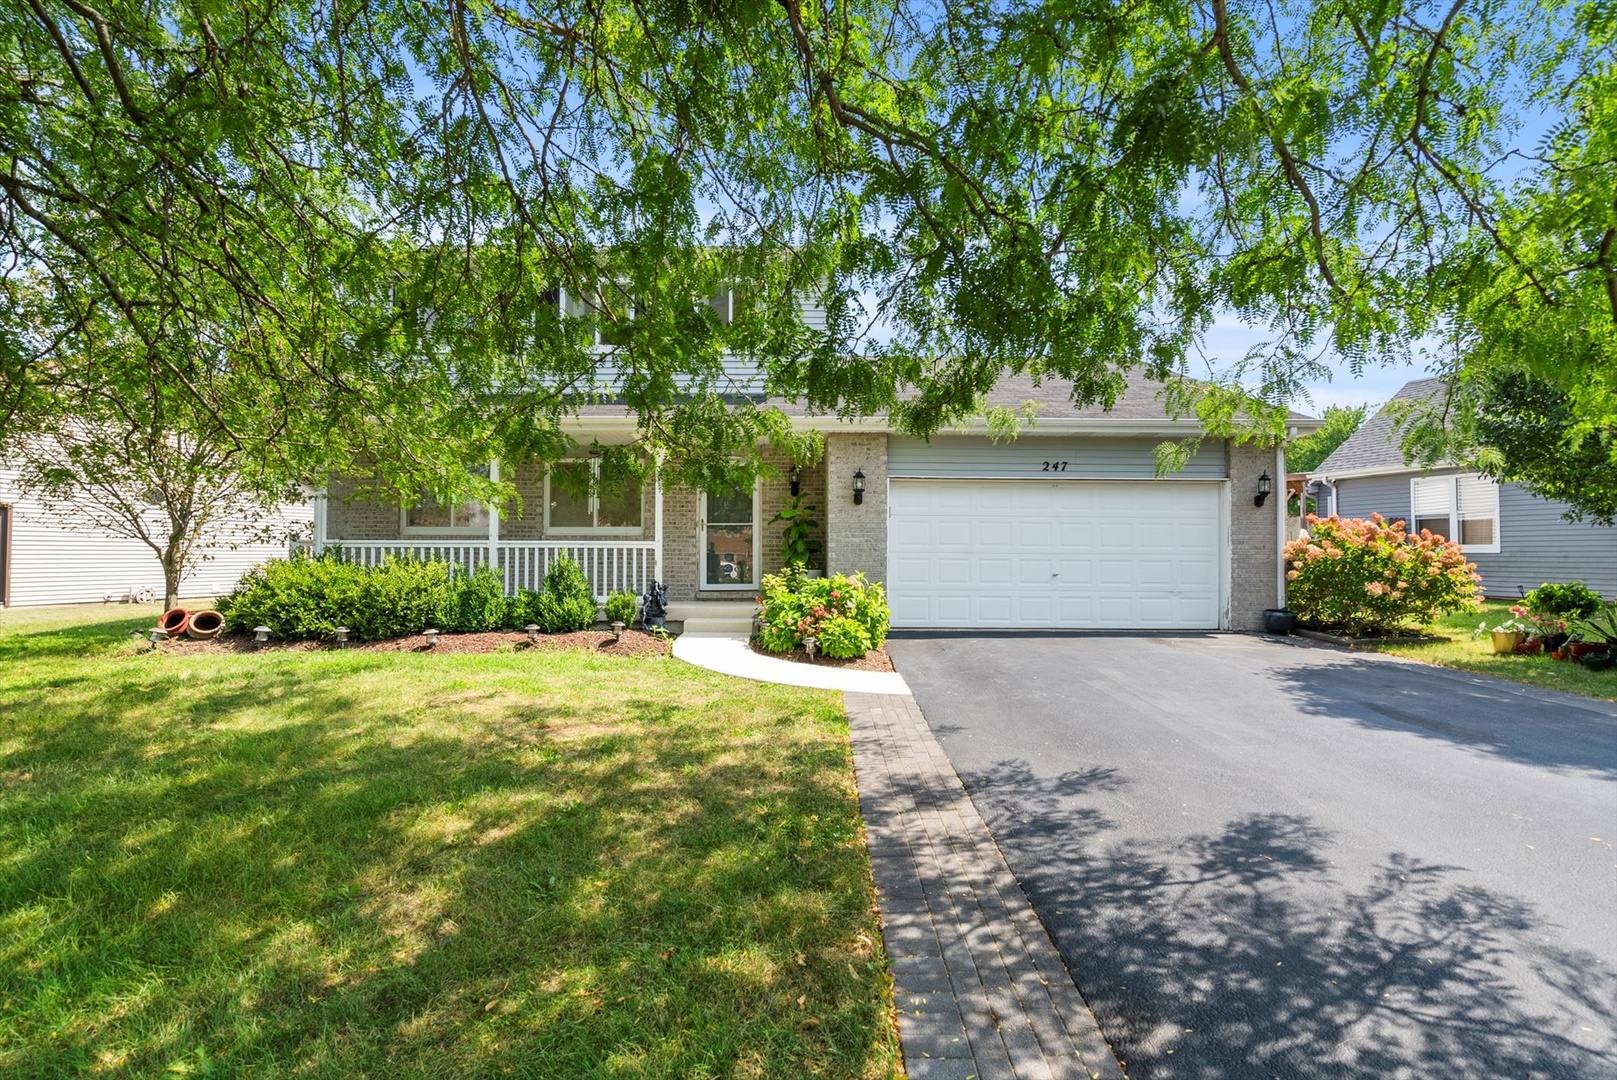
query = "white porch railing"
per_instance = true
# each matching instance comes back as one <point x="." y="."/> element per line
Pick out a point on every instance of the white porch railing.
<point x="608" y="565"/>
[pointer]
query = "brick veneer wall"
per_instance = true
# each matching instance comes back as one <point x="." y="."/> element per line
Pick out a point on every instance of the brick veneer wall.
<point x="856" y="536"/>
<point x="1254" y="543"/>
<point x="682" y="541"/>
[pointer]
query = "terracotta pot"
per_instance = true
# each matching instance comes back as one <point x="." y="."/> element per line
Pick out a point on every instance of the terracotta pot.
<point x="1531" y="648"/>
<point x="204" y="625"/>
<point x="1507" y="641"/>
<point x="174" y="621"/>
<point x="1560" y="654"/>
<point x="1586" y="648"/>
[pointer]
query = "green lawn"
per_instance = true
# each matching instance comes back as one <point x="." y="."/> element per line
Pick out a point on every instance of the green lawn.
<point x="339" y="864"/>
<point x="1460" y="650"/>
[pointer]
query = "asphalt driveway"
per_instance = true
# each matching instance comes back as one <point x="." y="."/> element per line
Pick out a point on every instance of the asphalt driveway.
<point x="1264" y="859"/>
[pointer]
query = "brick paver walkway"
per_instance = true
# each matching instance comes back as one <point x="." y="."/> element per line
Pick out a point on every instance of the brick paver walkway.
<point x="981" y="990"/>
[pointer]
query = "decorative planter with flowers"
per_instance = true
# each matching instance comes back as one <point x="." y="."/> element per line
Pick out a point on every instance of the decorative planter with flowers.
<point x="1507" y="637"/>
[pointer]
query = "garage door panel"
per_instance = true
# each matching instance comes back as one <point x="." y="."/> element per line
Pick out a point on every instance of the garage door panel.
<point x="1076" y="554"/>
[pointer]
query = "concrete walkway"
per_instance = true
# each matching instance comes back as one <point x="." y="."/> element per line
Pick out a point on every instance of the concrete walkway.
<point x="732" y="655"/>
<point x="981" y="991"/>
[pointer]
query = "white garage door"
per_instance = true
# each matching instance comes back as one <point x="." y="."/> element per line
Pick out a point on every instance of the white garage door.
<point x="1075" y="554"/>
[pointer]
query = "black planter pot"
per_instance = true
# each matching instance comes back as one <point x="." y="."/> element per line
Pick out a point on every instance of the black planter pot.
<point x="1600" y="661"/>
<point x="1552" y="642"/>
<point x="1279" y="620"/>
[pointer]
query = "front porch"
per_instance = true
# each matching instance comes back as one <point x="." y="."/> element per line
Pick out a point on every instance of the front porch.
<point x="609" y="566"/>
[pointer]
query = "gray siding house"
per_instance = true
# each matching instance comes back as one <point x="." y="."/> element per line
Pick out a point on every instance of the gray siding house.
<point x="1517" y="539"/>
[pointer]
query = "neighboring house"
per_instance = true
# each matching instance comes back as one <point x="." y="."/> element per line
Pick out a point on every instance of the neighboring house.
<point x="44" y="560"/>
<point x="1065" y="526"/>
<point x="1517" y="539"/>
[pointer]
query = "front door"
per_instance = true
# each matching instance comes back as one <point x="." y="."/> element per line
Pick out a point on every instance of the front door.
<point x="730" y="538"/>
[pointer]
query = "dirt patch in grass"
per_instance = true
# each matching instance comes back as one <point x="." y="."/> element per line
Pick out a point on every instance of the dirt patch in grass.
<point x="874" y="660"/>
<point x="633" y="643"/>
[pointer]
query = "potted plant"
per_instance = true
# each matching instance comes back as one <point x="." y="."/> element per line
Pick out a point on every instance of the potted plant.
<point x="1507" y="637"/>
<point x="798" y="548"/>
<point x="1597" y="634"/>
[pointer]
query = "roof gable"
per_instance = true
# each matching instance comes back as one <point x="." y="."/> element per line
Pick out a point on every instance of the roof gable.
<point x="1376" y="446"/>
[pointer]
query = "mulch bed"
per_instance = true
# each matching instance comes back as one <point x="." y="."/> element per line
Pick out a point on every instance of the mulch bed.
<point x="874" y="660"/>
<point x="633" y="643"/>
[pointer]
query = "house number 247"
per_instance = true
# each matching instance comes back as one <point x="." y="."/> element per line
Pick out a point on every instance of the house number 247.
<point x="1054" y="466"/>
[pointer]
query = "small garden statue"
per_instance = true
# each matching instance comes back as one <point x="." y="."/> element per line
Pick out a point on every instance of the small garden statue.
<point x="654" y="606"/>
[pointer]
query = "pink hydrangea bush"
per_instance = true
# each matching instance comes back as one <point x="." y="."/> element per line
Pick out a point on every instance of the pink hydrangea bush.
<point x="1363" y="576"/>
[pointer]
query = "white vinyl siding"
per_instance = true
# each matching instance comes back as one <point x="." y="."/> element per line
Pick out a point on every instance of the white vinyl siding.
<point x="53" y="562"/>
<point x="1460" y="507"/>
<point x="1044" y="457"/>
<point x="1059" y="554"/>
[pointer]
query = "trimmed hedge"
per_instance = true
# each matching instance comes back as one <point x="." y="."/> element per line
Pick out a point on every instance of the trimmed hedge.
<point x="307" y="597"/>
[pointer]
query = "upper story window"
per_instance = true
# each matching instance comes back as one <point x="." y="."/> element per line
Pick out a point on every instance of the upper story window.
<point x="1463" y="507"/>
<point x="430" y="515"/>
<point x="577" y="501"/>
<point x="609" y="308"/>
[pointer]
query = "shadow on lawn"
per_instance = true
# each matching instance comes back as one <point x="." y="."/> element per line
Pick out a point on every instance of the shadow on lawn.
<point x="284" y="873"/>
<point x="1235" y="955"/>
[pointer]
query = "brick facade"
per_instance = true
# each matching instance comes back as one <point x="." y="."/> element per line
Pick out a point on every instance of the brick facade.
<point x="856" y="536"/>
<point x="1254" y="536"/>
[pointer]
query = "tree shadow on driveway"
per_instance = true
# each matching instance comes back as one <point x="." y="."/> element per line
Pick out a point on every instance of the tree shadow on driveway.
<point x="1246" y="952"/>
<point x="1515" y="722"/>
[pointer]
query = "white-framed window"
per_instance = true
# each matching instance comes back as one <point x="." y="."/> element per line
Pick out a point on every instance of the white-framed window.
<point x="429" y="515"/>
<point x="610" y="309"/>
<point x="578" y="503"/>
<point x="1463" y="507"/>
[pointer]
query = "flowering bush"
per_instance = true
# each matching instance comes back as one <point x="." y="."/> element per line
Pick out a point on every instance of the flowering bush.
<point x="845" y="614"/>
<point x="1361" y="576"/>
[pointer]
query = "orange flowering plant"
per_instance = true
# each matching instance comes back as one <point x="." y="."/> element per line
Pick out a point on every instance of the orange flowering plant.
<point x="1361" y="576"/>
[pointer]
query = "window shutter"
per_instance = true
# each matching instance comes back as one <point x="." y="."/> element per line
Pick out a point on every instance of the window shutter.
<point x="1431" y="496"/>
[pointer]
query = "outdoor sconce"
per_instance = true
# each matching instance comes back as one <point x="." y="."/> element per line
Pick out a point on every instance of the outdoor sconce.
<point x="1265" y="485"/>
<point x="342" y="637"/>
<point x="797" y="481"/>
<point x="858" y="487"/>
<point x="261" y="634"/>
<point x="533" y="633"/>
<point x="432" y="638"/>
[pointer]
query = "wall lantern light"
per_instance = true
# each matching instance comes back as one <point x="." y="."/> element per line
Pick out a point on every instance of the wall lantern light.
<point x="858" y="487"/>
<point x="1265" y="485"/>
<point x="342" y="633"/>
<point x="797" y="480"/>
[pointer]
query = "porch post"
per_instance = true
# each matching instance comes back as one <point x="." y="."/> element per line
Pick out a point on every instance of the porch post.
<point x="494" y="519"/>
<point x="657" y="538"/>
<point x="320" y="522"/>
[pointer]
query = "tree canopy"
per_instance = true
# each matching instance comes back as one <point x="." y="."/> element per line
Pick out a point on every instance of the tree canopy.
<point x="369" y="210"/>
<point x="1307" y="453"/>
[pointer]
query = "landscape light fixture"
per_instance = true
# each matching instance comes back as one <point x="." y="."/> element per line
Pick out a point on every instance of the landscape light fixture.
<point x="533" y="633"/>
<point x="858" y="487"/>
<point x="261" y="634"/>
<point x="617" y="632"/>
<point x="432" y="638"/>
<point x="811" y="645"/>
<point x="797" y="480"/>
<point x="342" y="637"/>
<point x="1265" y="485"/>
<point x="156" y="634"/>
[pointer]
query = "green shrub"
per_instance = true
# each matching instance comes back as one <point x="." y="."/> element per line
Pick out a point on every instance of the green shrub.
<point x="622" y="607"/>
<point x="474" y="603"/>
<point x="843" y="638"/>
<point x="797" y="607"/>
<point x="1569" y="600"/>
<point x="522" y="609"/>
<point x="308" y="597"/>
<point x="566" y="603"/>
<point x="1362" y="576"/>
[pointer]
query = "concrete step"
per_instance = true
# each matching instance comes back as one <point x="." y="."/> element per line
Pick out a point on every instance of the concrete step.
<point x="728" y="617"/>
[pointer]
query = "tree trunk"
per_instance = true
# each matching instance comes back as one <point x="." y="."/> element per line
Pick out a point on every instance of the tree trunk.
<point x="171" y="582"/>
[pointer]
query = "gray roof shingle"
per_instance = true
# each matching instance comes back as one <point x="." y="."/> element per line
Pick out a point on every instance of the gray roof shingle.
<point x="1376" y="445"/>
